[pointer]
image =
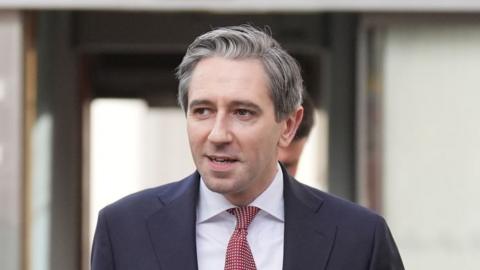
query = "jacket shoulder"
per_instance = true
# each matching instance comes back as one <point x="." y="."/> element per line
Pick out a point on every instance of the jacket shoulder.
<point x="339" y="209"/>
<point x="149" y="200"/>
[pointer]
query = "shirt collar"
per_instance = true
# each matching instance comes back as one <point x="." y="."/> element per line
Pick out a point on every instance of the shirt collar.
<point x="211" y="204"/>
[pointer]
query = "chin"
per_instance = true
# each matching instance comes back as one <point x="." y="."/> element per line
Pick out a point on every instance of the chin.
<point x="218" y="185"/>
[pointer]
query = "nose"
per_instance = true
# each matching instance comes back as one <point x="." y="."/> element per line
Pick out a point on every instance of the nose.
<point x="220" y="133"/>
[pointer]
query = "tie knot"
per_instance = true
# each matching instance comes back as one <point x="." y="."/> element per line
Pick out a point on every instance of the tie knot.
<point x="244" y="215"/>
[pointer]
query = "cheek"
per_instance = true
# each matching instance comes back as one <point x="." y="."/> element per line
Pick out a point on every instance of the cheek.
<point x="196" y="131"/>
<point x="190" y="133"/>
<point x="194" y="140"/>
<point x="265" y="144"/>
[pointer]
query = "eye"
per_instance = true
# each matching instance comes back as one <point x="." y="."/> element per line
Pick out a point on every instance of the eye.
<point x="244" y="114"/>
<point x="201" y="112"/>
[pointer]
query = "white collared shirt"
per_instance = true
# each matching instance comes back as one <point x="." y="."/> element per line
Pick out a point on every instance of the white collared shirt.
<point x="265" y="234"/>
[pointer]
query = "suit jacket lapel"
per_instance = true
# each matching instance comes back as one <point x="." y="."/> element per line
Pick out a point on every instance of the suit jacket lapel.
<point x="172" y="227"/>
<point x="309" y="237"/>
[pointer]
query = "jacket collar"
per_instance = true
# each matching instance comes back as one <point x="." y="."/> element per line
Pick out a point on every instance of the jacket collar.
<point x="172" y="227"/>
<point x="308" y="238"/>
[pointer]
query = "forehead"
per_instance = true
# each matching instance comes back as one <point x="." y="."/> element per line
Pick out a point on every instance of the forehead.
<point x="218" y="77"/>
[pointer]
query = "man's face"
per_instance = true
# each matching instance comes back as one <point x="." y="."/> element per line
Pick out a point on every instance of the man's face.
<point x="232" y="129"/>
<point x="290" y="155"/>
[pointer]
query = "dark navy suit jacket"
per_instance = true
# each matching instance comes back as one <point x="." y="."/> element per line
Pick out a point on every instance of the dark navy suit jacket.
<point x="155" y="230"/>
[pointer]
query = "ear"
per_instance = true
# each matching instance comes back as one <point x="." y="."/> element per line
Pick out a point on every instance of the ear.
<point x="290" y="125"/>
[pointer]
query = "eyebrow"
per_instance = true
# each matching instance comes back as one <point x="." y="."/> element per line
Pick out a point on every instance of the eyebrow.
<point x="247" y="104"/>
<point x="199" y="102"/>
<point x="235" y="103"/>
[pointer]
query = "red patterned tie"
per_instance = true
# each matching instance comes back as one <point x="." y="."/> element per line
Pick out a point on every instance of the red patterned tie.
<point x="239" y="256"/>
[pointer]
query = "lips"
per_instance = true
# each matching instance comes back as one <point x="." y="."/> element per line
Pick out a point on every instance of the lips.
<point x="221" y="159"/>
<point x="221" y="163"/>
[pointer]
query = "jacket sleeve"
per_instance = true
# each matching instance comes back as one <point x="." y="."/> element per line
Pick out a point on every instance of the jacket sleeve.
<point x="385" y="255"/>
<point x="102" y="255"/>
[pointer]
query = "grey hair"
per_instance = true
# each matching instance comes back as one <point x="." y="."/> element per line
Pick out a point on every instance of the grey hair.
<point x="240" y="42"/>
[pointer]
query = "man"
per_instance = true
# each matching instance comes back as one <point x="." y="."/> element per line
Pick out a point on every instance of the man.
<point x="241" y="93"/>
<point x="289" y="156"/>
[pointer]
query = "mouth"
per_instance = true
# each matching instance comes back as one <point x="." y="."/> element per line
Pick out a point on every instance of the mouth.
<point x="221" y="163"/>
<point x="221" y="159"/>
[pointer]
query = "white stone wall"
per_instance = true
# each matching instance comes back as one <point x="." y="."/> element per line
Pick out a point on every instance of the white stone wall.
<point x="249" y="5"/>
<point x="432" y="142"/>
<point x="153" y="149"/>
<point x="11" y="104"/>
